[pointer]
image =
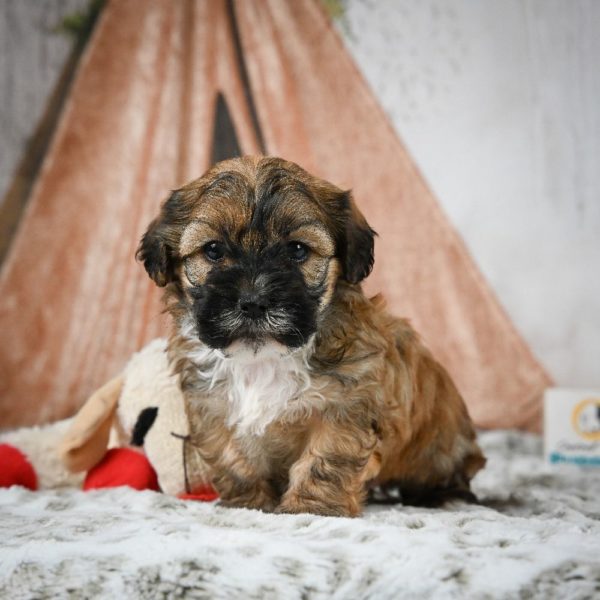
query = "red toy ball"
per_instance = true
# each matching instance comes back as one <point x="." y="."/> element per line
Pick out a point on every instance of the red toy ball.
<point x="15" y="469"/>
<point x="122" y="466"/>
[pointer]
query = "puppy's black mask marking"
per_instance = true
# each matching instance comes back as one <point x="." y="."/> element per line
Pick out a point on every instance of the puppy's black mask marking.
<point x="263" y="296"/>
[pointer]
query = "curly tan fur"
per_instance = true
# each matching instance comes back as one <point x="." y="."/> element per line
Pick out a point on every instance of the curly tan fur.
<point x="370" y="407"/>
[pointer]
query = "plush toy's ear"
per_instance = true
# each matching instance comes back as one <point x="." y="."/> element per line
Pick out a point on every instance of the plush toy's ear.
<point x="358" y="258"/>
<point x="86" y="441"/>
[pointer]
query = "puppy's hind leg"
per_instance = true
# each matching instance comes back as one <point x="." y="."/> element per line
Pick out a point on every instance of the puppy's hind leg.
<point x="411" y="493"/>
<point x="438" y="496"/>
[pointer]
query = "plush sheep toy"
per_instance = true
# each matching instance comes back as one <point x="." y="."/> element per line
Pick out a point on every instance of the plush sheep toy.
<point x="132" y="431"/>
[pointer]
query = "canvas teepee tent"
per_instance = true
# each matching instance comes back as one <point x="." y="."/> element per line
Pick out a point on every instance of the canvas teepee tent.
<point x="165" y="88"/>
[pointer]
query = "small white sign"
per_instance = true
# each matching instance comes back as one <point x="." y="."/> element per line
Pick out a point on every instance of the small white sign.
<point x="572" y="426"/>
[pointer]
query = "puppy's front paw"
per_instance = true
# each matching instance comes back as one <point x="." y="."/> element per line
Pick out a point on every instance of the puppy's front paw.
<point x="258" y="499"/>
<point x="293" y="505"/>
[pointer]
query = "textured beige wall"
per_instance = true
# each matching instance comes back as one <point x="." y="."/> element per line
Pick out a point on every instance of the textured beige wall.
<point x="499" y="104"/>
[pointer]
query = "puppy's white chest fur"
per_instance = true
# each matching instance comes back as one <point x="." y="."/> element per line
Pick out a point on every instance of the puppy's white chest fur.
<point x="263" y="388"/>
<point x="258" y="387"/>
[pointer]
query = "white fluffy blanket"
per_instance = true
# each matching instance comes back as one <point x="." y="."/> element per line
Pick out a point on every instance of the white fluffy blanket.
<point x="537" y="534"/>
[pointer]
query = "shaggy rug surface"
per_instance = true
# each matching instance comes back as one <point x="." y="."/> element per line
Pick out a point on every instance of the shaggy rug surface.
<point x="536" y="534"/>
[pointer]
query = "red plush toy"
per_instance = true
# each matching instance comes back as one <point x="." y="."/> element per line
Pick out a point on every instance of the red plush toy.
<point x="139" y="415"/>
<point x="122" y="466"/>
<point x="15" y="469"/>
<point x="119" y="467"/>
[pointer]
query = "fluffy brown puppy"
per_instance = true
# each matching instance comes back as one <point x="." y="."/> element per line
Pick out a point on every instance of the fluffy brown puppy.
<point x="301" y="392"/>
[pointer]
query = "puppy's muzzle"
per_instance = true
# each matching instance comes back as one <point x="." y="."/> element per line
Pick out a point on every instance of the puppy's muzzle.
<point x="253" y="306"/>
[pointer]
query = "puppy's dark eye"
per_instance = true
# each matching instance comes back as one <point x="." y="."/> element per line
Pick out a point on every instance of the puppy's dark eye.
<point x="214" y="251"/>
<point x="298" y="251"/>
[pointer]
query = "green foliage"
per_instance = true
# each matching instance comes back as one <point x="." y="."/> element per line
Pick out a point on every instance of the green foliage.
<point x="336" y="11"/>
<point x="78" y="25"/>
<point x="334" y="8"/>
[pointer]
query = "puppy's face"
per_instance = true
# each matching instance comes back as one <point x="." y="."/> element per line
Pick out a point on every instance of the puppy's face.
<point x="253" y="251"/>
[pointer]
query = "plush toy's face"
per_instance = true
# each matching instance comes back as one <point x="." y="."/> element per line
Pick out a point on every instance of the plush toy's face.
<point x="253" y="251"/>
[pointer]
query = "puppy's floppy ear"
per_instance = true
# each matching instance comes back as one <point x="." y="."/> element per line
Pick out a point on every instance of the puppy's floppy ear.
<point x="358" y="258"/>
<point x="158" y="246"/>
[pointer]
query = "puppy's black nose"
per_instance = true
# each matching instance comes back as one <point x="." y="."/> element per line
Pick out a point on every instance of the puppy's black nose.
<point x="252" y="306"/>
